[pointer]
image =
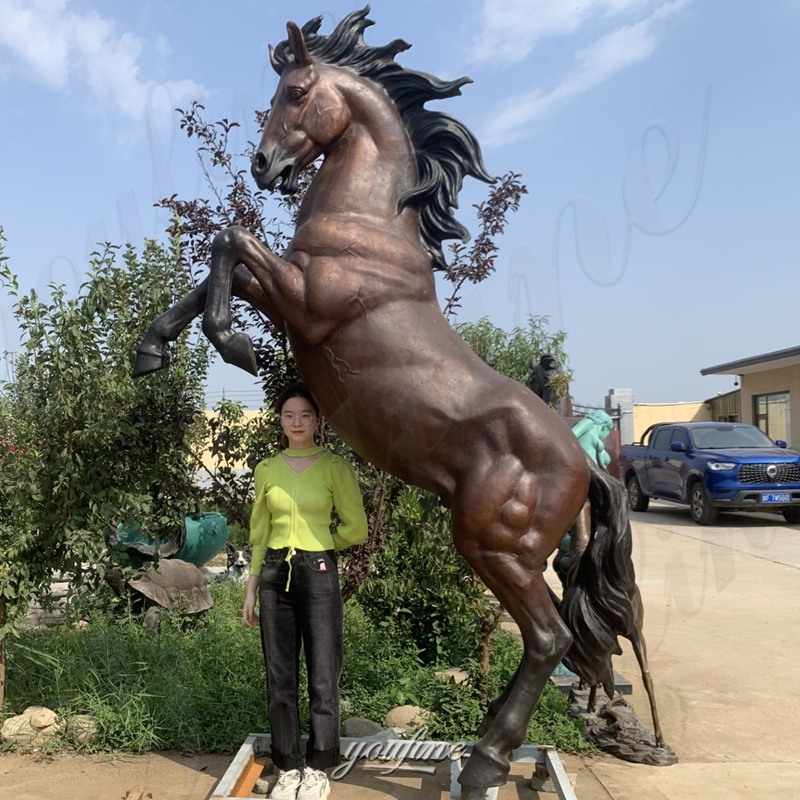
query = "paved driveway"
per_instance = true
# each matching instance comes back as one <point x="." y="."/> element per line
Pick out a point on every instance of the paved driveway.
<point x="722" y="621"/>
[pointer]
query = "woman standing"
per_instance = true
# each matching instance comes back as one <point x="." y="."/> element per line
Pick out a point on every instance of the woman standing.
<point x="294" y="573"/>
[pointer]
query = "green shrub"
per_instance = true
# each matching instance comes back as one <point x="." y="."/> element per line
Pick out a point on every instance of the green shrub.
<point x="200" y="686"/>
<point x="422" y="594"/>
<point x="196" y="689"/>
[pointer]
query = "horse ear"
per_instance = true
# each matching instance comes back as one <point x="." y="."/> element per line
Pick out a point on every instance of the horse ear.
<point x="297" y="44"/>
<point x="274" y="61"/>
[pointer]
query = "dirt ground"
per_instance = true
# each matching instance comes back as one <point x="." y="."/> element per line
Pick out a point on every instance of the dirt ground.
<point x="100" y="777"/>
<point x="171" y="776"/>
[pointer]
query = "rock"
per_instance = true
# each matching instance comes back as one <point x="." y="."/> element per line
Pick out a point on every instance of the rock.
<point x="18" y="730"/>
<point x="82" y="728"/>
<point x="41" y="717"/>
<point x="457" y="675"/>
<point x="34" y="726"/>
<point x="404" y="717"/>
<point x="360" y="727"/>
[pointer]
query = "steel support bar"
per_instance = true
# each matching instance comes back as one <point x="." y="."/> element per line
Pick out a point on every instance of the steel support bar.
<point x="244" y="770"/>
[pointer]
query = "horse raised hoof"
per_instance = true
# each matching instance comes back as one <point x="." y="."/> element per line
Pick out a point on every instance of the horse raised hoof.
<point x="149" y="360"/>
<point x="238" y="350"/>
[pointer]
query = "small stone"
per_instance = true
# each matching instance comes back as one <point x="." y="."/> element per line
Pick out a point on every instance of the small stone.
<point x="404" y="717"/>
<point x="49" y="732"/>
<point x="138" y="793"/>
<point x="458" y="676"/>
<point x="359" y="727"/>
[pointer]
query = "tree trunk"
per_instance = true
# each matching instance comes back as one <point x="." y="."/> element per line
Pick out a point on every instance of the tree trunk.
<point x="487" y="625"/>
<point x="2" y="654"/>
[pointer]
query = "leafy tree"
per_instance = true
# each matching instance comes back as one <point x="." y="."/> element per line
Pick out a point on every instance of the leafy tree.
<point x="511" y="352"/>
<point x="84" y="445"/>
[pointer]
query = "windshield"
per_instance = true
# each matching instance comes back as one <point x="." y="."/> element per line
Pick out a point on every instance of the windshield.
<point x="725" y="438"/>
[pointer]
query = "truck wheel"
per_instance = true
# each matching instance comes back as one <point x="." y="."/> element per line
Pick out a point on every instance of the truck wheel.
<point x="703" y="513"/>
<point x="636" y="499"/>
<point x="791" y="515"/>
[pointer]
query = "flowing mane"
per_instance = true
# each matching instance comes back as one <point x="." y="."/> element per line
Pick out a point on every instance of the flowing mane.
<point x="445" y="149"/>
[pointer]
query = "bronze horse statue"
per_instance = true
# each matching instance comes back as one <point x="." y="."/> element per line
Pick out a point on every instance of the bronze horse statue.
<point x="355" y="294"/>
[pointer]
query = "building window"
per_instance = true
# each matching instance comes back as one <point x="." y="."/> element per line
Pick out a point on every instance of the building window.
<point x="771" y="414"/>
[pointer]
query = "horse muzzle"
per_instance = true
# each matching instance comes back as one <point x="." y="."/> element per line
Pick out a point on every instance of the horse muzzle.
<point x="270" y="171"/>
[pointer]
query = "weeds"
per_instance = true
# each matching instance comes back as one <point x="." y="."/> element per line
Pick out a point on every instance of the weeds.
<point x="202" y="688"/>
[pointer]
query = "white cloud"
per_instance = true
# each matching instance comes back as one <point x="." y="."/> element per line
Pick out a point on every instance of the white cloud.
<point x="62" y="48"/>
<point x="511" y="29"/>
<point x="611" y="53"/>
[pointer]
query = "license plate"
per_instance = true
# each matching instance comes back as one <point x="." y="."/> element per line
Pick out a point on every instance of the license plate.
<point x="780" y="497"/>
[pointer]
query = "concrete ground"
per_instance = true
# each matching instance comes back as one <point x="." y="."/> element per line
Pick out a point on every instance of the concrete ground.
<point x="722" y="612"/>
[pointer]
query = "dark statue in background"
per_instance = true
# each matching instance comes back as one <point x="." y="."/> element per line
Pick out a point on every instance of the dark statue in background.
<point x="355" y="295"/>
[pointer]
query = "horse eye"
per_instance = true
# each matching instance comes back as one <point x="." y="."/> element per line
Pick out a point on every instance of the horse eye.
<point x="296" y="93"/>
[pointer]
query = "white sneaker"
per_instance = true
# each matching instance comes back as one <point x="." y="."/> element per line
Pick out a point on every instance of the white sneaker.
<point x="287" y="785"/>
<point x="315" y="785"/>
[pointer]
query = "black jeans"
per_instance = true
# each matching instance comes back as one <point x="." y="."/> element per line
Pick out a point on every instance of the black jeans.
<point x="308" y="613"/>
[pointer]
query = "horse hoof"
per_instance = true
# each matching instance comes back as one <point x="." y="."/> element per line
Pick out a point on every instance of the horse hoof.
<point x="238" y="350"/>
<point x="148" y="361"/>
<point x="481" y="773"/>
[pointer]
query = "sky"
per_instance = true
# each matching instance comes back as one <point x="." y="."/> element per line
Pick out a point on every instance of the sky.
<point x="657" y="140"/>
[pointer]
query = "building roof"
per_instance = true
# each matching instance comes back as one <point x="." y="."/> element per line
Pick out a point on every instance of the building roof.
<point x="744" y="366"/>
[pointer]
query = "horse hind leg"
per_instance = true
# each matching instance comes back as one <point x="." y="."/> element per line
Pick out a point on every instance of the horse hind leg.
<point x="514" y="575"/>
<point x="545" y="640"/>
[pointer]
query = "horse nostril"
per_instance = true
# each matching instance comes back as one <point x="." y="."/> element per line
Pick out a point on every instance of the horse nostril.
<point x="259" y="162"/>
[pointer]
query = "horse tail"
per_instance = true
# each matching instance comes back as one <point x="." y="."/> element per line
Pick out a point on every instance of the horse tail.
<point x="600" y="585"/>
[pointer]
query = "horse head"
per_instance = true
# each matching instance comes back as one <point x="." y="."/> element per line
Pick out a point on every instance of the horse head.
<point x="308" y="113"/>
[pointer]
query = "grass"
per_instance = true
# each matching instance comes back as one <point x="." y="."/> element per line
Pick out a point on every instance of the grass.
<point x="201" y="688"/>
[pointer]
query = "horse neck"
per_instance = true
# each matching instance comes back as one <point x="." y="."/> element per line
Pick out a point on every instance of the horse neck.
<point x="368" y="169"/>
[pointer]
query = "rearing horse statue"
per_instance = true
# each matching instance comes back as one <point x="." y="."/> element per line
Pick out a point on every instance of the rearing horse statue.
<point x="355" y="295"/>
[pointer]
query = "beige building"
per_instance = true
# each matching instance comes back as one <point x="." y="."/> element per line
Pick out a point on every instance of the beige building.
<point x="647" y="414"/>
<point x="769" y="393"/>
<point x="249" y="417"/>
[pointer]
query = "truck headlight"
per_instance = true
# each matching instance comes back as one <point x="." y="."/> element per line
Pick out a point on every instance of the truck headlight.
<point x="719" y="466"/>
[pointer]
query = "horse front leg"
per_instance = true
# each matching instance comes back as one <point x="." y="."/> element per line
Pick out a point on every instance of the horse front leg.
<point x="150" y="355"/>
<point x="235" y="249"/>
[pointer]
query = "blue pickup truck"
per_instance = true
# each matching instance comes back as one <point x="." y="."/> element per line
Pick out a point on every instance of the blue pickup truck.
<point x="712" y="467"/>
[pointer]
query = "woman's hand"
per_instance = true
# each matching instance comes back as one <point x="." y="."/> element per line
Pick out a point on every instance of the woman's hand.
<point x="249" y="616"/>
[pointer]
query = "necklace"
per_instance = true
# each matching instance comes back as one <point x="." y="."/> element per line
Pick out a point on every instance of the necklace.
<point x="306" y="451"/>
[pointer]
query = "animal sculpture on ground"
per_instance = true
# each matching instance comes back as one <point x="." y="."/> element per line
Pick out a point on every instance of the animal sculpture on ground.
<point x="355" y="294"/>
